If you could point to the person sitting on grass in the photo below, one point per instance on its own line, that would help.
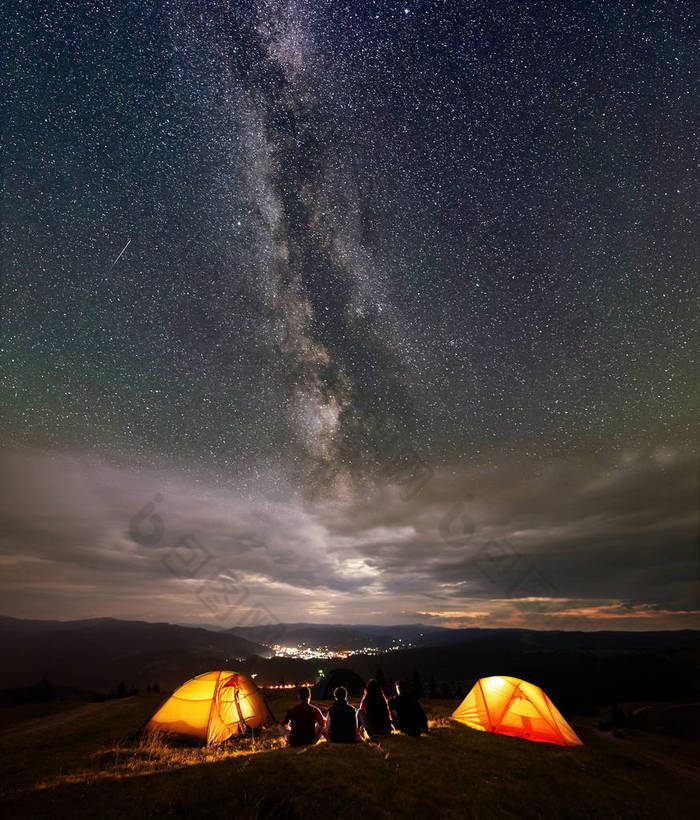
(341, 723)
(303, 723)
(374, 716)
(409, 717)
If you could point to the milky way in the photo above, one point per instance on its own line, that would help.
(321, 255)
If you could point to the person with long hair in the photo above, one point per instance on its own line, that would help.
(373, 715)
(409, 717)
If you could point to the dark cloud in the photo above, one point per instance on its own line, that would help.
(616, 537)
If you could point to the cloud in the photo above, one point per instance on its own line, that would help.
(611, 529)
(607, 542)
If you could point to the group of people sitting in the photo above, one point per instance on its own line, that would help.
(304, 724)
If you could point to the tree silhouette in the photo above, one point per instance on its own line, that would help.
(432, 687)
(417, 683)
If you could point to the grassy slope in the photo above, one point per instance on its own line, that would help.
(84, 767)
(35, 711)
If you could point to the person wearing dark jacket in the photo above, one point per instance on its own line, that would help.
(409, 717)
(374, 716)
(341, 721)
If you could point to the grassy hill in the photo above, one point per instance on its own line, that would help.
(98, 653)
(81, 764)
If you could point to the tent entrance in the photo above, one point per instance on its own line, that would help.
(228, 704)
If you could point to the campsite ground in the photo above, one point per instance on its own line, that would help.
(80, 763)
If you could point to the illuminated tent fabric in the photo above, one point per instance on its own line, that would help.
(211, 708)
(510, 706)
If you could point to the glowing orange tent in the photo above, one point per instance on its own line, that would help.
(211, 708)
(510, 706)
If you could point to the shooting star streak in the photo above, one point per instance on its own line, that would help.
(128, 242)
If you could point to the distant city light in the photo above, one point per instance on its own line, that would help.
(326, 653)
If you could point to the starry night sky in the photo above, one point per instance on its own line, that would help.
(393, 306)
